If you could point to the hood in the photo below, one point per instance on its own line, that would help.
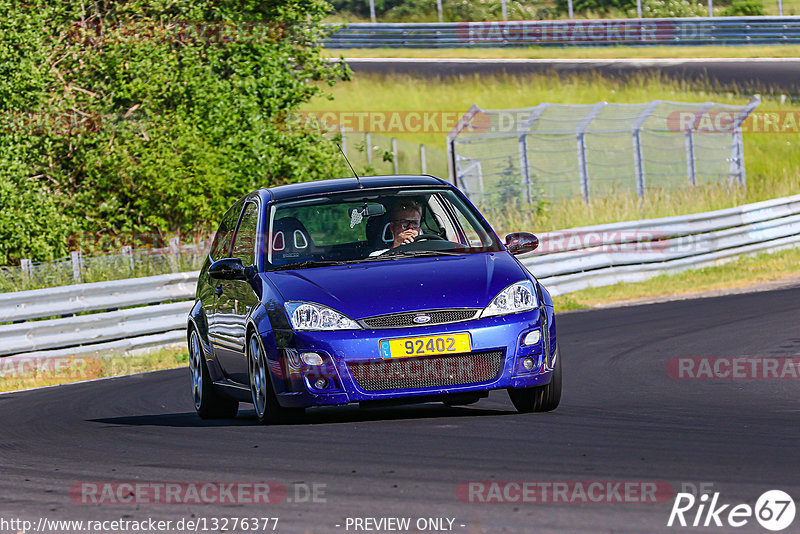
(408, 284)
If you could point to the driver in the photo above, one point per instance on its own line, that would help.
(404, 221)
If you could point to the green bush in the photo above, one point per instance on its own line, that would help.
(744, 8)
(672, 8)
(124, 118)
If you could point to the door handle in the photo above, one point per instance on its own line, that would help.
(218, 290)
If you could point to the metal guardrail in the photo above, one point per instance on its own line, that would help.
(566, 261)
(596, 32)
(133, 313)
(633, 251)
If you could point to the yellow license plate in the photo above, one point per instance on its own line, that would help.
(407, 347)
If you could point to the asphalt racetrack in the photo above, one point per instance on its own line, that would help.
(622, 418)
(745, 75)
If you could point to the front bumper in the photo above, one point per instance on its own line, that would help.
(354, 371)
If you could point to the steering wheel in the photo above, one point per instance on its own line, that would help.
(428, 237)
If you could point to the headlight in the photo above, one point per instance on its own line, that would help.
(310, 316)
(515, 298)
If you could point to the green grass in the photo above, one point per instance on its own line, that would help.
(742, 272)
(77, 369)
(597, 52)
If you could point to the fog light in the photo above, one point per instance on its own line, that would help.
(532, 338)
(527, 363)
(321, 383)
(311, 358)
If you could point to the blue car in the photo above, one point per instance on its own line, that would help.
(378, 290)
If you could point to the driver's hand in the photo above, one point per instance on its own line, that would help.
(407, 240)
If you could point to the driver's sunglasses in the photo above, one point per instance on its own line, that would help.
(405, 224)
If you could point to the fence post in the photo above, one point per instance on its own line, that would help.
(344, 143)
(570, 10)
(394, 155)
(77, 265)
(710, 8)
(423, 163)
(736, 169)
(638, 9)
(27, 268)
(581, 137)
(463, 122)
(691, 170)
(504, 9)
(174, 253)
(439, 10)
(638, 160)
(688, 136)
(522, 147)
(368, 143)
(127, 250)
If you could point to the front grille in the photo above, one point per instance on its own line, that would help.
(406, 319)
(430, 372)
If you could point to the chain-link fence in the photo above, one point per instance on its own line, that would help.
(555, 151)
(80, 268)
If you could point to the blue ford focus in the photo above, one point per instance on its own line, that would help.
(387, 289)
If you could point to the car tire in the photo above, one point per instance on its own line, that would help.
(266, 405)
(208, 403)
(541, 398)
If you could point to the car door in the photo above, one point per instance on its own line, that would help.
(221, 248)
(237, 299)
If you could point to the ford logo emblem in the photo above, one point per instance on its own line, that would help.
(422, 319)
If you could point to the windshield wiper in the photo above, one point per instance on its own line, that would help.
(420, 253)
(307, 264)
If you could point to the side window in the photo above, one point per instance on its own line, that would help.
(222, 241)
(245, 243)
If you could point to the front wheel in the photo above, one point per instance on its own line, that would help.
(541, 398)
(208, 403)
(268, 410)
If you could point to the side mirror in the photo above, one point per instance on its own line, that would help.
(227, 269)
(521, 242)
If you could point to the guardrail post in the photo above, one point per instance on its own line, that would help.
(710, 8)
(439, 10)
(638, 160)
(77, 265)
(422, 162)
(580, 133)
(368, 143)
(394, 155)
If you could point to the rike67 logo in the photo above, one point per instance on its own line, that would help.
(774, 510)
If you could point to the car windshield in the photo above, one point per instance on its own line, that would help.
(376, 225)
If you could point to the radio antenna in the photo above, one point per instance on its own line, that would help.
(351, 167)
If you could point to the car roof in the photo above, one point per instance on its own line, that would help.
(336, 185)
